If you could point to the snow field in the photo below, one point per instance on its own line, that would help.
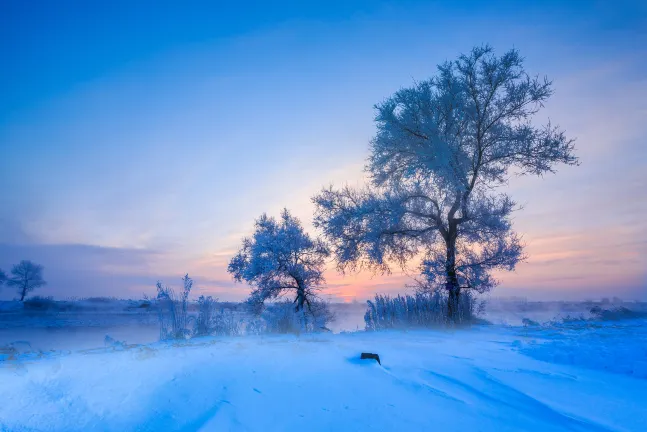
(475, 379)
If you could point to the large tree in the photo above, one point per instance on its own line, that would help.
(443, 149)
(280, 257)
(26, 277)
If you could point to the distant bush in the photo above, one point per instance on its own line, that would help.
(145, 303)
(419, 310)
(615, 314)
(571, 319)
(100, 299)
(40, 303)
(527, 322)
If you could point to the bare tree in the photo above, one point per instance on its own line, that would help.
(443, 148)
(26, 277)
(3, 277)
(280, 257)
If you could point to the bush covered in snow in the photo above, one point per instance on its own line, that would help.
(419, 310)
(206, 313)
(173, 310)
(211, 321)
(281, 318)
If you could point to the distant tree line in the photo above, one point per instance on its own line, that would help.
(25, 277)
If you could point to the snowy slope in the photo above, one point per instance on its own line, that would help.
(476, 380)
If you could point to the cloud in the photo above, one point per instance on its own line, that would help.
(11, 231)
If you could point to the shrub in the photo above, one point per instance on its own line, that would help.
(206, 312)
(100, 299)
(419, 310)
(226, 324)
(281, 317)
(210, 321)
(527, 322)
(40, 303)
(615, 314)
(173, 310)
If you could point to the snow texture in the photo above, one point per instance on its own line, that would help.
(479, 379)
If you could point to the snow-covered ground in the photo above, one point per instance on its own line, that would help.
(488, 378)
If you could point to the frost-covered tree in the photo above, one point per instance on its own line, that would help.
(280, 257)
(26, 277)
(442, 150)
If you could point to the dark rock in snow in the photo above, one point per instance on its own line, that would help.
(365, 356)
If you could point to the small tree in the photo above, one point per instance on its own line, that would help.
(280, 257)
(443, 148)
(26, 277)
(3, 277)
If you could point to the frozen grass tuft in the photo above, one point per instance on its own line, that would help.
(419, 310)
(173, 310)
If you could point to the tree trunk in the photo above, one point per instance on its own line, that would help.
(301, 299)
(451, 279)
(23, 293)
(301, 296)
(453, 305)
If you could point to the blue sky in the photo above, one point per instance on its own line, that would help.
(139, 140)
